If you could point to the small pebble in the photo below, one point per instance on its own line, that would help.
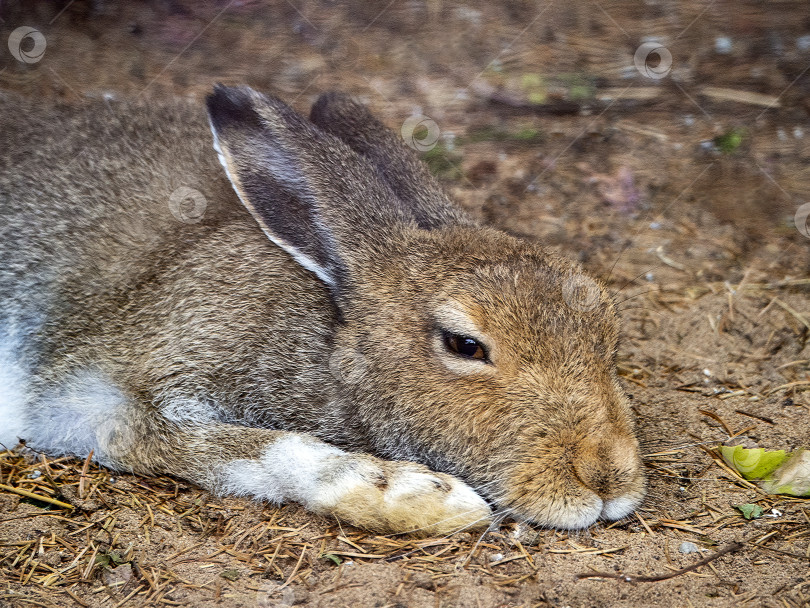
(687, 547)
(707, 146)
(722, 45)
(35, 475)
(496, 557)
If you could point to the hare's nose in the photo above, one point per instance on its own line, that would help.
(607, 470)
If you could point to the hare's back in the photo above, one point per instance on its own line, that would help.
(100, 185)
(64, 169)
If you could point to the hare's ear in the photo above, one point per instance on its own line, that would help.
(311, 194)
(397, 164)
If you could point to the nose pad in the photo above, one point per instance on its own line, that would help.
(608, 470)
(595, 477)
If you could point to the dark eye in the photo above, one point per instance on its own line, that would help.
(464, 346)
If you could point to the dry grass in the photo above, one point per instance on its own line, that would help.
(87, 530)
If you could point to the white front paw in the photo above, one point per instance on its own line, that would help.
(397, 497)
(380, 495)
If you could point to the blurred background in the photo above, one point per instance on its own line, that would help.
(663, 143)
(566, 121)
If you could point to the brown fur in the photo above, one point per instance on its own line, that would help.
(217, 312)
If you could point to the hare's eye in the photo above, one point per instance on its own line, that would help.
(464, 346)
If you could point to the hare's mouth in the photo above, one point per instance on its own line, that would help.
(584, 511)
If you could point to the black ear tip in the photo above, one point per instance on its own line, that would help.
(223, 96)
(332, 97)
(228, 105)
(333, 105)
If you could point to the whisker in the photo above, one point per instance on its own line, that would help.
(691, 479)
(470, 525)
(497, 520)
(679, 448)
(634, 279)
(641, 293)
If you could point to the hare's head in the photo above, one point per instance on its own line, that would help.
(460, 347)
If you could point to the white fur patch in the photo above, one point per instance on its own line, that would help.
(328, 480)
(587, 514)
(83, 413)
(411, 483)
(13, 384)
(576, 517)
(463, 498)
(289, 469)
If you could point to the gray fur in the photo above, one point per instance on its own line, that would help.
(306, 300)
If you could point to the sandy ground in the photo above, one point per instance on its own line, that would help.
(680, 191)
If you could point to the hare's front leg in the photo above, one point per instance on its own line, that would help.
(278, 466)
(380, 495)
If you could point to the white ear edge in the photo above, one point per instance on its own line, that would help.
(302, 259)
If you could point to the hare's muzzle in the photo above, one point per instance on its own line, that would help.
(572, 484)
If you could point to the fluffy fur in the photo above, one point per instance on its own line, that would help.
(288, 345)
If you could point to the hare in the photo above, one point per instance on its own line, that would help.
(316, 323)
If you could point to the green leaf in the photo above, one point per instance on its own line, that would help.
(750, 511)
(793, 477)
(535, 88)
(729, 141)
(333, 557)
(752, 464)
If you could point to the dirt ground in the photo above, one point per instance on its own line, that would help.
(680, 188)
